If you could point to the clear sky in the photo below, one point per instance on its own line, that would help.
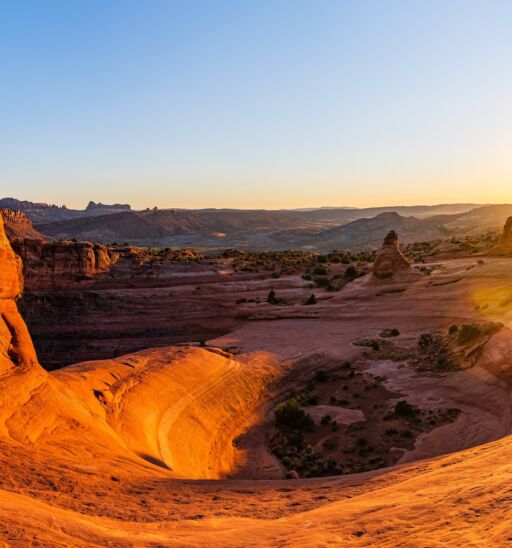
(256, 103)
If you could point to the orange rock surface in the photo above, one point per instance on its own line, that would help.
(16, 346)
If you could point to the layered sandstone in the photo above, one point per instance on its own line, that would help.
(16, 348)
(390, 263)
(18, 225)
(61, 264)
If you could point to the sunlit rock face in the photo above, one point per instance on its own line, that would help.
(390, 262)
(16, 348)
(504, 246)
(57, 265)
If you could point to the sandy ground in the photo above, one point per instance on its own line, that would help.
(136, 451)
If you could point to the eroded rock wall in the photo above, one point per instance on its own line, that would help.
(50, 265)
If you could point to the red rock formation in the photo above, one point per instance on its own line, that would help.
(59, 264)
(390, 263)
(18, 225)
(504, 246)
(16, 348)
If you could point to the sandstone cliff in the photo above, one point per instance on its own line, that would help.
(59, 264)
(16, 348)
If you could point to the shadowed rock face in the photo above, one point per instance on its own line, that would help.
(16, 346)
(390, 261)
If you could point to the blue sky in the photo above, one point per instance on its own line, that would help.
(272, 104)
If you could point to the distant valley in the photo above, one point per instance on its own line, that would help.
(319, 230)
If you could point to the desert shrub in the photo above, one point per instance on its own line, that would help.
(371, 343)
(405, 409)
(290, 415)
(321, 376)
(468, 333)
(425, 340)
(320, 271)
(321, 282)
(453, 329)
(311, 300)
(351, 273)
(389, 333)
(271, 297)
(312, 399)
(326, 419)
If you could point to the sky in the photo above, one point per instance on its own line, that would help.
(256, 103)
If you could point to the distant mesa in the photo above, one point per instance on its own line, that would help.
(390, 264)
(93, 206)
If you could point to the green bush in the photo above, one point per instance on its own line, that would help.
(320, 271)
(290, 415)
(311, 300)
(425, 340)
(468, 333)
(453, 329)
(405, 409)
(385, 333)
(271, 297)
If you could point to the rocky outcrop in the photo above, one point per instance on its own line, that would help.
(390, 263)
(16, 348)
(56, 265)
(504, 246)
(18, 225)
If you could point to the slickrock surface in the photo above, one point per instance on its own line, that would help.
(390, 263)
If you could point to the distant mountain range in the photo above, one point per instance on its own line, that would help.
(315, 229)
(39, 212)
